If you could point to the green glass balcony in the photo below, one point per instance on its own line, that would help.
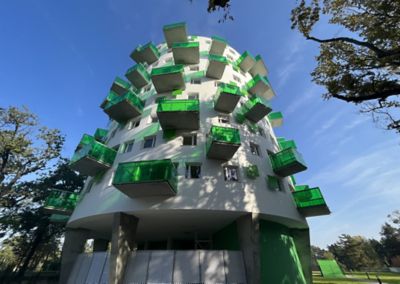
(246, 61)
(138, 76)
(179, 114)
(216, 66)
(147, 53)
(146, 178)
(287, 162)
(260, 86)
(218, 46)
(124, 107)
(222, 142)
(275, 118)
(301, 187)
(119, 86)
(186, 52)
(259, 68)
(310, 202)
(100, 134)
(58, 218)
(60, 202)
(175, 33)
(168, 79)
(227, 98)
(110, 97)
(284, 144)
(92, 158)
(256, 109)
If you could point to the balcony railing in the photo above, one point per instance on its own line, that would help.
(310, 202)
(120, 87)
(245, 61)
(186, 52)
(222, 142)
(147, 53)
(218, 45)
(287, 162)
(256, 109)
(175, 33)
(259, 67)
(275, 118)
(110, 97)
(100, 134)
(92, 157)
(227, 97)
(284, 144)
(138, 76)
(146, 178)
(61, 202)
(216, 66)
(260, 86)
(179, 114)
(123, 108)
(168, 79)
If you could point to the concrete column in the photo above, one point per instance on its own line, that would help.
(248, 228)
(301, 239)
(122, 245)
(74, 244)
(100, 245)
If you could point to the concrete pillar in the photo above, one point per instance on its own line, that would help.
(74, 244)
(122, 245)
(100, 245)
(248, 228)
(301, 239)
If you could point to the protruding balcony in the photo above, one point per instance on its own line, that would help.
(275, 118)
(120, 87)
(256, 109)
(60, 202)
(260, 86)
(222, 142)
(246, 61)
(228, 96)
(218, 46)
(175, 33)
(138, 76)
(92, 157)
(100, 134)
(287, 162)
(259, 68)
(168, 79)
(147, 53)
(146, 178)
(216, 66)
(110, 97)
(58, 218)
(186, 52)
(310, 202)
(179, 114)
(124, 107)
(284, 144)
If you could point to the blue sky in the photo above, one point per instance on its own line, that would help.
(60, 57)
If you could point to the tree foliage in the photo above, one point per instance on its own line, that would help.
(217, 5)
(390, 240)
(362, 67)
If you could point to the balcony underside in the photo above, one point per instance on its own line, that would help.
(144, 189)
(291, 168)
(257, 112)
(217, 47)
(118, 89)
(226, 102)
(186, 55)
(262, 90)
(180, 120)
(122, 111)
(137, 79)
(247, 63)
(88, 166)
(221, 150)
(215, 69)
(312, 211)
(146, 55)
(175, 34)
(258, 68)
(168, 82)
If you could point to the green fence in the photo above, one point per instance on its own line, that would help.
(330, 268)
(96, 151)
(309, 197)
(61, 200)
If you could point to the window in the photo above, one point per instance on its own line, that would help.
(133, 124)
(113, 133)
(237, 79)
(154, 119)
(128, 146)
(159, 99)
(190, 140)
(241, 72)
(89, 186)
(231, 173)
(232, 51)
(149, 142)
(195, 81)
(194, 68)
(193, 96)
(223, 119)
(229, 57)
(216, 83)
(193, 171)
(116, 147)
(208, 41)
(254, 149)
(261, 132)
(147, 88)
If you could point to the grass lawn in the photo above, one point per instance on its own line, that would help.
(386, 277)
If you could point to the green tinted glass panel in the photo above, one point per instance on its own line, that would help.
(218, 39)
(225, 134)
(256, 80)
(243, 57)
(275, 115)
(100, 134)
(149, 45)
(272, 182)
(309, 197)
(178, 105)
(213, 57)
(286, 157)
(141, 69)
(96, 151)
(301, 187)
(167, 70)
(185, 44)
(130, 97)
(229, 89)
(284, 144)
(252, 171)
(122, 83)
(330, 268)
(61, 200)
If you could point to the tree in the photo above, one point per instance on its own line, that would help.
(390, 233)
(26, 148)
(362, 67)
(216, 5)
